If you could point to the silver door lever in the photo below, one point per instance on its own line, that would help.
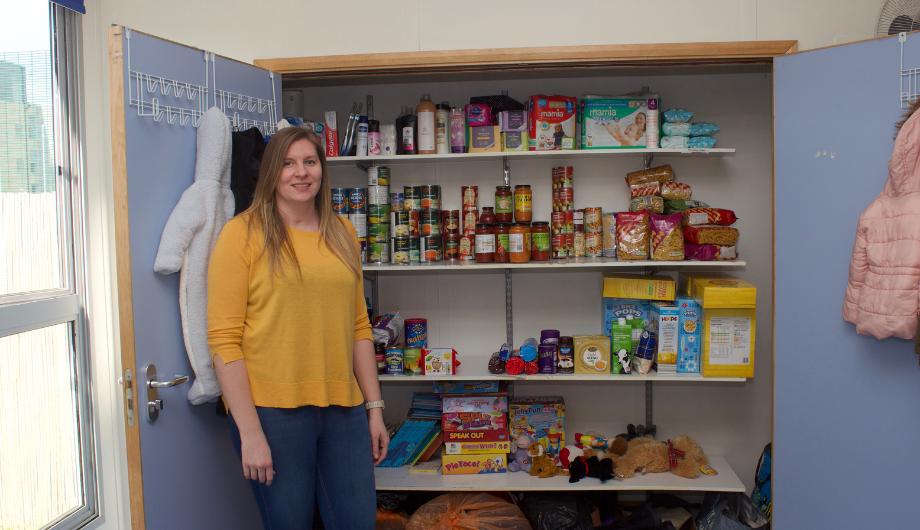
(154, 403)
(166, 384)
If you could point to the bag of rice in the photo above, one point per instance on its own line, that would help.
(632, 235)
(667, 238)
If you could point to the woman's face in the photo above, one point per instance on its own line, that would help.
(301, 174)
(640, 119)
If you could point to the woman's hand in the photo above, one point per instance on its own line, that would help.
(380, 439)
(257, 459)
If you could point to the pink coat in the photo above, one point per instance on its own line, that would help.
(883, 293)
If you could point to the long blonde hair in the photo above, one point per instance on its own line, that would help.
(264, 214)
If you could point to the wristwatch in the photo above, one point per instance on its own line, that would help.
(379, 404)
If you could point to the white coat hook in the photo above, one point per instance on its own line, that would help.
(171, 115)
(239, 103)
(150, 82)
(253, 104)
(156, 112)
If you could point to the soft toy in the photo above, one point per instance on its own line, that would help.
(589, 465)
(569, 453)
(541, 464)
(521, 457)
(618, 447)
(686, 458)
(643, 455)
(595, 441)
(637, 431)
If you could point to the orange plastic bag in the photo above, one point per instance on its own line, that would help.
(387, 520)
(468, 511)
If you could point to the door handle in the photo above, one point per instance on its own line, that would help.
(166, 384)
(154, 403)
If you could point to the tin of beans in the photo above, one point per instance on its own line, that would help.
(416, 333)
(593, 245)
(466, 247)
(379, 232)
(378, 252)
(430, 221)
(340, 200)
(470, 217)
(394, 359)
(357, 200)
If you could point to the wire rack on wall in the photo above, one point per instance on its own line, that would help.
(233, 105)
(909, 79)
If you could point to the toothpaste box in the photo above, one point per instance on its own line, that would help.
(553, 122)
(689, 335)
(664, 320)
(619, 122)
(474, 464)
(477, 448)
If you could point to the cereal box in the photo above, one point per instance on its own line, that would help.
(490, 435)
(616, 308)
(474, 464)
(541, 418)
(664, 320)
(642, 287)
(477, 448)
(592, 354)
(553, 121)
(689, 331)
(619, 122)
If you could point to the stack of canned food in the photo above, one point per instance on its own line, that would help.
(378, 214)
(563, 215)
(351, 203)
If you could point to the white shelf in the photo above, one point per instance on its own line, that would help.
(401, 479)
(557, 264)
(568, 153)
(470, 375)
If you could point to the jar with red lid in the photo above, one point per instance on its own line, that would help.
(502, 242)
(487, 216)
(540, 242)
(519, 243)
(485, 243)
(504, 204)
(523, 203)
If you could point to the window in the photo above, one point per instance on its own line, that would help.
(46, 437)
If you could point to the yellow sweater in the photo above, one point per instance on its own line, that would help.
(296, 336)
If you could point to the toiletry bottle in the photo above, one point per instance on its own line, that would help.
(425, 114)
(442, 128)
(361, 143)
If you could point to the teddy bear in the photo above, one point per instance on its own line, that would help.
(541, 463)
(687, 459)
(643, 455)
(520, 457)
(589, 465)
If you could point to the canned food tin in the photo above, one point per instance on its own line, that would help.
(414, 223)
(452, 246)
(340, 200)
(467, 247)
(397, 200)
(593, 245)
(378, 251)
(359, 221)
(470, 217)
(357, 200)
(362, 242)
(378, 232)
(378, 195)
(372, 179)
(578, 244)
(451, 220)
(414, 253)
(557, 221)
(578, 220)
(558, 244)
(430, 222)
(593, 220)
(416, 333)
(413, 198)
(610, 235)
(470, 196)
(400, 250)
(411, 358)
(399, 221)
(378, 213)
(431, 196)
(394, 359)
(380, 351)
(569, 244)
(430, 249)
(378, 176)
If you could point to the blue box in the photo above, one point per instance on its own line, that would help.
(466, 387)
(615, 308)
(690, 322)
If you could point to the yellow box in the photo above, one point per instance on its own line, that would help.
(484, 139)
(729, 325)
(474, 464)
(477, 448)
(592, 354)
(640, 287)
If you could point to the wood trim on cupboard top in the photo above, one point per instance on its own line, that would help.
(606, 55)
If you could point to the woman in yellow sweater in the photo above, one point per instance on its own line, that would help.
(291, 345)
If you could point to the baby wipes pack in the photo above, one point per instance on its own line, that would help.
(616, 122)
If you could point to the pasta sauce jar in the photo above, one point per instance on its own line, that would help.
(504, 204)
(540, 242)
(485, 243)
(502, 242)
(523, 203)
(519, 243)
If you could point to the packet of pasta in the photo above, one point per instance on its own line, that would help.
(657, 174)
(709, 216)
(676, 191)
(647, 204)
(723, 236)
(632, 236)
(667, 242)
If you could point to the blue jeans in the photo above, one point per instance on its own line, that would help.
(321, 455)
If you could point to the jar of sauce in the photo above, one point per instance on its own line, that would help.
(504, 204)
(519, 243)
(485, 243)
(540, 242)
(523, 203)
(502, 242)
(487, 216)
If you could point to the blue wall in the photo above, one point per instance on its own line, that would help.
(847, 407)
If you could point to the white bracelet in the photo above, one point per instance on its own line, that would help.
(379, 404)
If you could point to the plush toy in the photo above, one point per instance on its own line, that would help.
(521, 457)
(594, 441)
(637, 431)
(643, 455)
(570, 453)
(618, 447)
(686, 458)
(541, 464)
(588, 465)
